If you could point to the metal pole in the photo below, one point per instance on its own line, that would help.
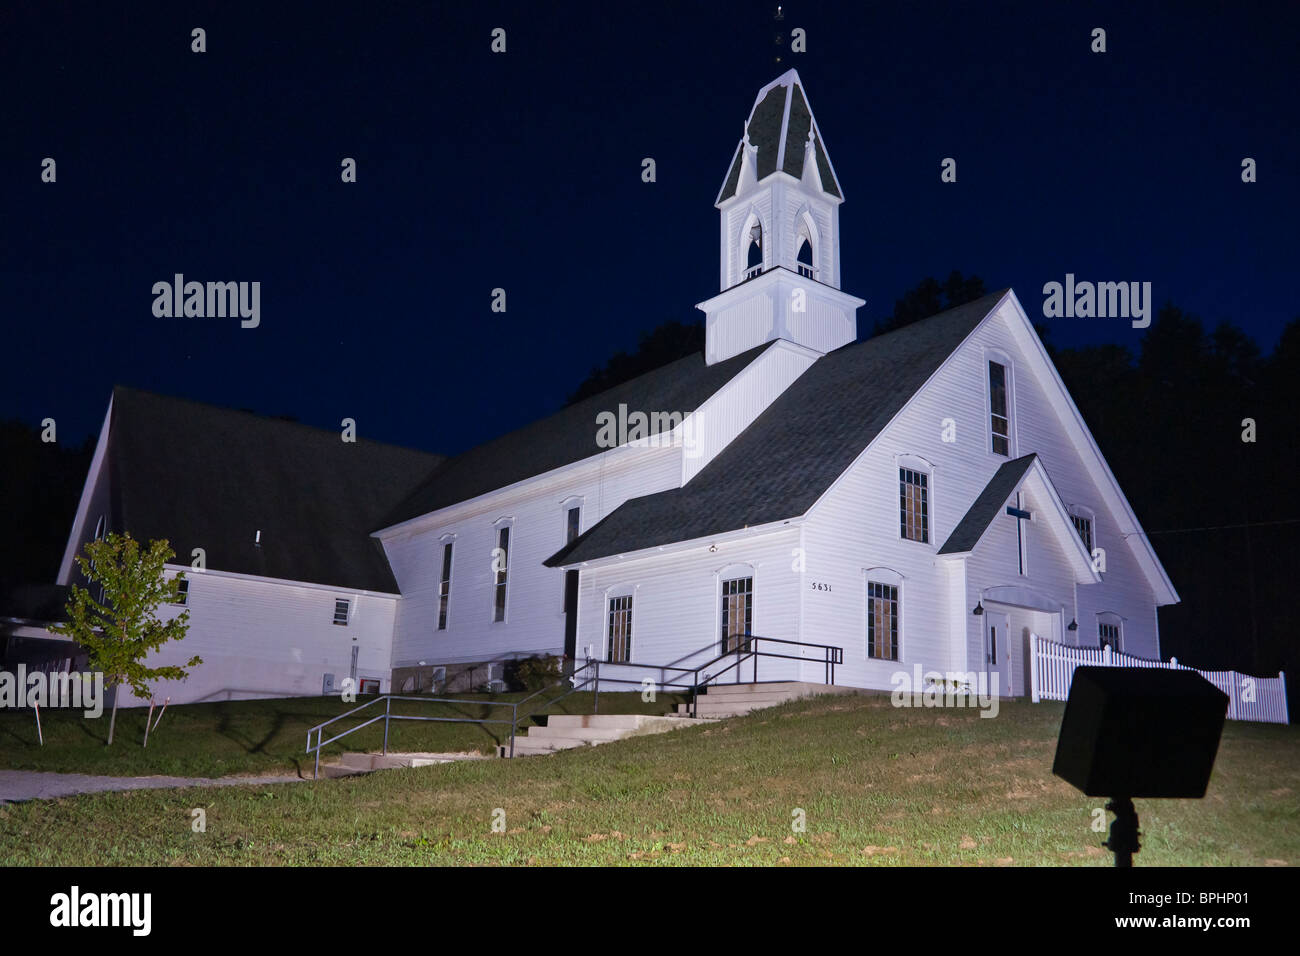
(514, 722)
(1123, 840)
(388, 709)
(315, 774)
(595, 704)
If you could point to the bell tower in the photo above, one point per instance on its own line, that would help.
(780, 222)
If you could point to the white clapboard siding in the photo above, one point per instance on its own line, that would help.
(1054, 664)
(676, 604)
(854, 527)
(263, 638)
(535, 603)
(535, 597)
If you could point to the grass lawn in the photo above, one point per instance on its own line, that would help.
(265, 736)
(878, 785)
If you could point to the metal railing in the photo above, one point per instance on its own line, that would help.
(388, 716)
(747, 648)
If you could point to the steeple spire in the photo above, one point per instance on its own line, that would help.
(780, 223)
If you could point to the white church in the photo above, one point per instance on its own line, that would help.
(930, 496)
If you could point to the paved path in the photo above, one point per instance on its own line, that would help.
(16, 785)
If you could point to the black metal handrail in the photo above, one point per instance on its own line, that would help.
(746, 649)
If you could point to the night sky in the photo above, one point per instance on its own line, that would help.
(523, 171)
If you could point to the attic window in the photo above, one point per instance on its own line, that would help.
(182, 591)
(999, 410)
(341, 608)
(1082, 519)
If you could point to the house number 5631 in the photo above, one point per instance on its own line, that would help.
(819, 586)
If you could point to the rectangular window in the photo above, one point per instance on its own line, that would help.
(444, 587)
(1083, 525)
(1000, 426)
(502, 563)
(737, 612)
(182, 591)
(341, 606)
(913, 505)
(1109, 635)
(574, 519)
(620, 629)
(882, 621)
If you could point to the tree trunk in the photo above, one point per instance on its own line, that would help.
(112, 720)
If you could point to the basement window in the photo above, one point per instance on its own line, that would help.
(341, 608)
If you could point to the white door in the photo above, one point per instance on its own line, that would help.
(997, 652)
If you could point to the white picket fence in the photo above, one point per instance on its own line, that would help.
(1051, 668)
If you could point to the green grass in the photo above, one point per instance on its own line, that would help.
(265, 736)
(878, 785)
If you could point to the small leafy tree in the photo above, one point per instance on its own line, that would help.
(121, 628)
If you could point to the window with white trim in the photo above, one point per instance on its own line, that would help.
(737, 612)
(501, 564)
(341, 608)
(1110, 630)
(913, 505)
(882, 620)
(182, 591)
(1083, 520)
(444, 586)
(572, 524)
(999, 408)
(619, 649)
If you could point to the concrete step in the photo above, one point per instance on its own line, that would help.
(775, 687)
(736, 700)
(364, 763)
(566, 731)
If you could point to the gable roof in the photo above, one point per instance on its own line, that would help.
(778, 128)
(987, 506)
(208, 477)
(1027, 472)
(569, 435)
(788, 457)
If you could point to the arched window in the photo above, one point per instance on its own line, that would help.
(804, 260)
(754, 251)
(1110, 630)
(806, 256)
(884, 626)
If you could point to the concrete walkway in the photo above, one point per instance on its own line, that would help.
(18, 785)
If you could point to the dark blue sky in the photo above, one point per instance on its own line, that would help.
(522, 171)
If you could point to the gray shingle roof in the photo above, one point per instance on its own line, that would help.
(785, 460)
(770, 124)
(987, 506)
(208, 477)
(567, 436)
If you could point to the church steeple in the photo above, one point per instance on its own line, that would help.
(780, 220)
